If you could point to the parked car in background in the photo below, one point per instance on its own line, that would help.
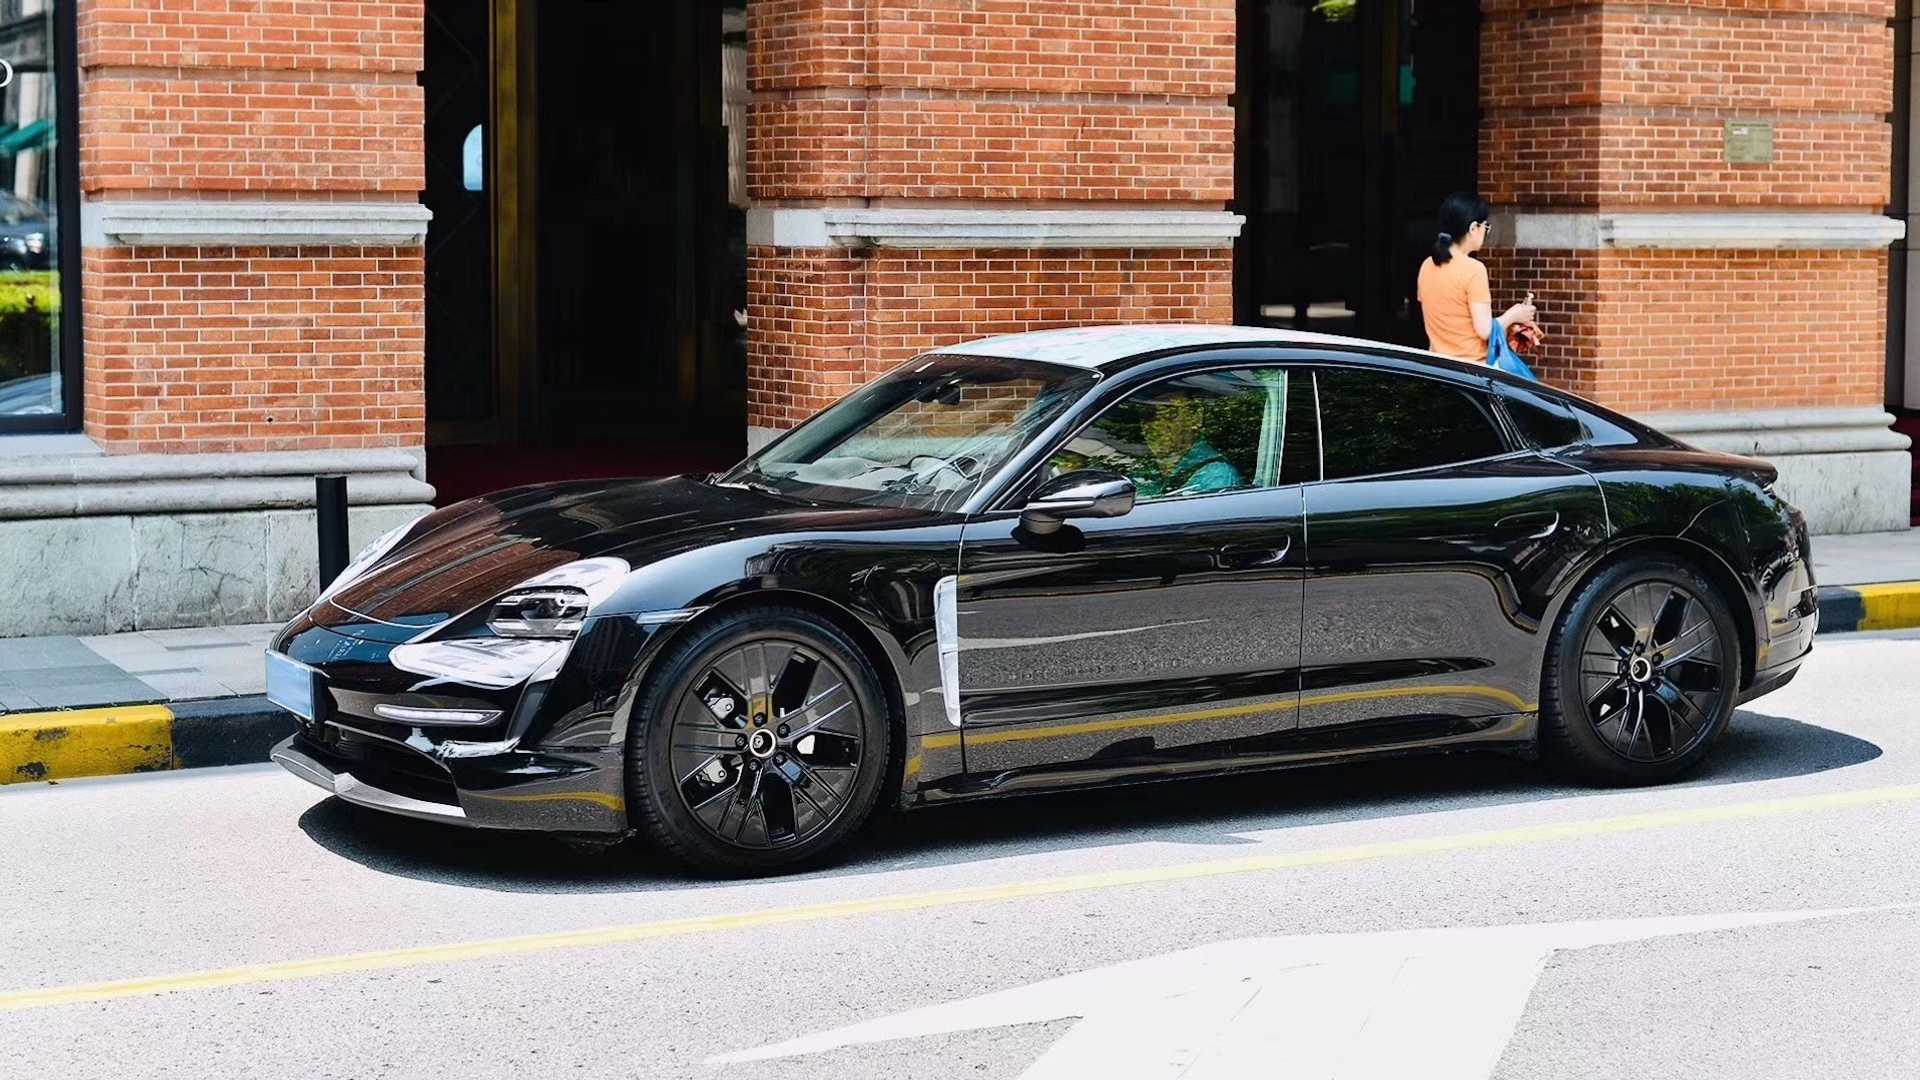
(26, 234)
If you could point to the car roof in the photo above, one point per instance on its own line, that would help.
(1099, 347)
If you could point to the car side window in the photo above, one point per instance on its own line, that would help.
(1542, 421)
(1200, 434)
(1374, 422)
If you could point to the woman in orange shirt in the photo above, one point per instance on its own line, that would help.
(1454, 296)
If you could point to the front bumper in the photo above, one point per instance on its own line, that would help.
(503, 788)
(552, 761)
(318, 769)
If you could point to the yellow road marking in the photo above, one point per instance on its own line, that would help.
(290, 970)
(85, 742)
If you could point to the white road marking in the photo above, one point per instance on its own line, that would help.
(1440, 1004)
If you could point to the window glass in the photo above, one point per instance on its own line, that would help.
(1601, 431)
(1379, 422)
(1195, 435)
(30, 298)
(1542, 421)
(924, 435)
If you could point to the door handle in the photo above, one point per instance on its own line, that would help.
(1250, 556)
(1538, 525)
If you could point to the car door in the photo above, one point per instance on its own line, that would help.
(1438, 542)
(1169, 634)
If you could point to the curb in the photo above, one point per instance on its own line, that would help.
(241, 731)
(119, 739)
(1892, 605)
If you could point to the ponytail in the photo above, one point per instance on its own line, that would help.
(1458, 213)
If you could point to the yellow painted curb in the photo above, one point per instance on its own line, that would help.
(1893, 606)
(85, 742)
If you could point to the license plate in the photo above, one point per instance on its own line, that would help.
(292, 685)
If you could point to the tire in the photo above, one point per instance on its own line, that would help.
(760, 743)
(1635, 691)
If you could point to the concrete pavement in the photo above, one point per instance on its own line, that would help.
(347, 944)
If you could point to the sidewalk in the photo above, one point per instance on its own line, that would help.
(144, 667)
(1867, 558)
(139, 702)
(165, 699)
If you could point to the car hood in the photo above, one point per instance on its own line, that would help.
(469, 553)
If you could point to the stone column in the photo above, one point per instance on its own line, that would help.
(923, 174)
(1696, 193)
(252, 281)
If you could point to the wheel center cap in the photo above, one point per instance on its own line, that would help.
(761, 743)
(1640, 669)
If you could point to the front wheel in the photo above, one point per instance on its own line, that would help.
(1640, 675)
(760, 743)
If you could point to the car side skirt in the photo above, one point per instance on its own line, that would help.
(1512, 733)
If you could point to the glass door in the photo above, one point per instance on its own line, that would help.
(1354, 119)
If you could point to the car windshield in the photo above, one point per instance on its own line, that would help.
(923, 436)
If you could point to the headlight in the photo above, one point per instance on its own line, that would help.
(364, 561)
(555, 604)
(539, 613)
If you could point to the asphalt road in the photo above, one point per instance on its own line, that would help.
(1443, 917)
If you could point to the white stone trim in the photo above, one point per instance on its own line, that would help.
(889, 227)
(87, 485)
(1772, 432)
(759, 437)
(181, 222)
(1734, 229)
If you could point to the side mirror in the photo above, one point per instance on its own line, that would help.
(1088, 493)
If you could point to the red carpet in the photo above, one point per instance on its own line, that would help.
(461, 472)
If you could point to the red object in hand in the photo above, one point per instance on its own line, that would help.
(1525, 338)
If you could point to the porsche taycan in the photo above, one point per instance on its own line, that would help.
(1053, 560)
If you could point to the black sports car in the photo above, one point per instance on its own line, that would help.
(1051, 560)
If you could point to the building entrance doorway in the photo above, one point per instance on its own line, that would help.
(1354, 119)
(586, 263)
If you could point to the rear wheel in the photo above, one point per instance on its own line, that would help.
(760, 743)
(1641, 675)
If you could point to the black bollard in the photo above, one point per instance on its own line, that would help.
(330, 517)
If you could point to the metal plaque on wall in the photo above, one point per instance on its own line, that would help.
(1749, 142)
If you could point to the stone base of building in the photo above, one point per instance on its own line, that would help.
(1844, 468)
(97, 545)
(104, 575)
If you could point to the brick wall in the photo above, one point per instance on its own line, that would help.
(904, 144)
(193, 350)
(1655, 331)
(216, 348)
(1097, 104)
(826, 322)
(1611, 106)
(1625, 104)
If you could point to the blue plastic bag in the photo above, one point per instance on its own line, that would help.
(1501, 356)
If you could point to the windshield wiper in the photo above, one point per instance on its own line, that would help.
(750, 485)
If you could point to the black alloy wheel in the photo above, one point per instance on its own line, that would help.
(762, 743)
(1641, 676)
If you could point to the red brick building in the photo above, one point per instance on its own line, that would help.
(464, 243)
